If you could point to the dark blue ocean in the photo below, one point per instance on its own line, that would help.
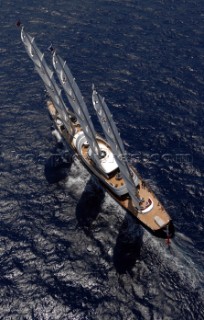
(67, 250)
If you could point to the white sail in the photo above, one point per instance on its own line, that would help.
(46, 75)
(113, 138)
(77, 102)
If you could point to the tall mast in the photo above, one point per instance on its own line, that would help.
(77, 102)
(114, 139)
(46, 75)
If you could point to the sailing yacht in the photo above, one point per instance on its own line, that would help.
(104, 157)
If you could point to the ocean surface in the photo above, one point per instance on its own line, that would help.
(67, 250)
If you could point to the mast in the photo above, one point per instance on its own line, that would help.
(115, 141)
(77, 102)
(47, 76)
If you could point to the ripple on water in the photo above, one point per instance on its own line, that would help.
(67, 250)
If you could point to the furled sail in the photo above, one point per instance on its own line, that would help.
(77, 102)
(46, 74)
(113, 138)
